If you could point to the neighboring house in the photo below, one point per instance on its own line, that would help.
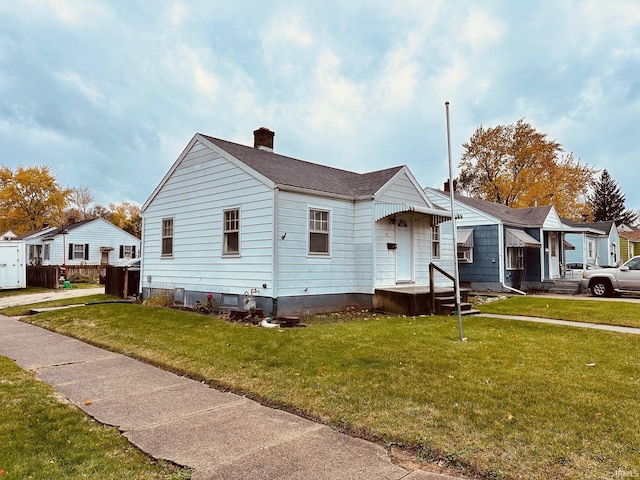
(89, 242)
(501, 248)
(596, 243)
(8, 235)
(237, 221)
(629, 242)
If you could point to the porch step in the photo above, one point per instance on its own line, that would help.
(562, 287)
(450, 309)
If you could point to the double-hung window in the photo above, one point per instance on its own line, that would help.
(78, 251)
(318, 232)
(435, 240)
(515, 258)
(231, 234)
(167, 237)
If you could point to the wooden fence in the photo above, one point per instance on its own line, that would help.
(121, 282)
(46, 277)
(77, 273)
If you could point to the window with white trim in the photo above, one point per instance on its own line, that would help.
(167, 237)
(127, 251)
(78, 251)
(231, 234)
(318, 232)
(465, 254)
(47, 251)
(515, 258)
(435, 240)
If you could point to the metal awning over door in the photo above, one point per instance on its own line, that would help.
(383, 210)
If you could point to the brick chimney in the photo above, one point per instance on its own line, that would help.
(263, 139)
(455, 186)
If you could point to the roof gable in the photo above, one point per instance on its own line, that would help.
(282, 171)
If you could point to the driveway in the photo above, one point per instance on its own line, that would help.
(29, 298)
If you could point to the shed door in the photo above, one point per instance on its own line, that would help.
(404, 252)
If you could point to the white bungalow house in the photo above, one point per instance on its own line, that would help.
(237, 221)
(89, 242)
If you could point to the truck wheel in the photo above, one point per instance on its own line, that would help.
(600, 288)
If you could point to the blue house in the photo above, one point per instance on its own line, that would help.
(596, 243)
(501, 248)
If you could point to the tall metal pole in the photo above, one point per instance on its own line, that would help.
(454, 228)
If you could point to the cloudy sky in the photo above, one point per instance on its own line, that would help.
(109, 92)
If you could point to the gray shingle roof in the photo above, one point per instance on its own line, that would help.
(522, 217)
(291, 172)
(602, 226)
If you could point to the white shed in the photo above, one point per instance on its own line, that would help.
(13, 272)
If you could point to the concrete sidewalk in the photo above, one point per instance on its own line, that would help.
(220, 435)
(566, 323)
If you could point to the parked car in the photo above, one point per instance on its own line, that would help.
(604, 282)
(580, 266)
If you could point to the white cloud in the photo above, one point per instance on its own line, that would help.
(482, 29)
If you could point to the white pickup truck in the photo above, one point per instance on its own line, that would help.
(604, 282)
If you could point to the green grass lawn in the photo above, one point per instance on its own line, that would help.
(626, 314)
(42, 437)
(517, 400)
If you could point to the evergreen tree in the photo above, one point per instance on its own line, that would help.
(607, 202)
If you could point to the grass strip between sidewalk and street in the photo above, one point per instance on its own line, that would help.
(517, 400)
(43, 437)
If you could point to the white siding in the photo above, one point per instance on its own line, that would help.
(363, 248)
(470, 216)
(300, 273)
(195, 195)
(402, 190)
(552, 222)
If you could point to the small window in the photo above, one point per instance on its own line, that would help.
(167, 237)
(465, 254)
(515, 258)
(127, 251)
(318, 232)
(435, 241)
(78, 251)
(47, 251)
(231, 244)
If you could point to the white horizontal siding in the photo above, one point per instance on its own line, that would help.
(470, 216)
(402, 190)
(300, 273)
(201, 187)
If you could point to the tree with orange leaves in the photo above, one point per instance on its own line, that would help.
(518, 166)
(30, 197)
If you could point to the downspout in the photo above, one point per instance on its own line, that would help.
(501, 262)
(274, 268)
(543, 255)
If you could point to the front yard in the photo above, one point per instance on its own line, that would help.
(517, 400)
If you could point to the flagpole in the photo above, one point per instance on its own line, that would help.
(455, 230)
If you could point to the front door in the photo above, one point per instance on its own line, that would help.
(554, 255)
(404, 251)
